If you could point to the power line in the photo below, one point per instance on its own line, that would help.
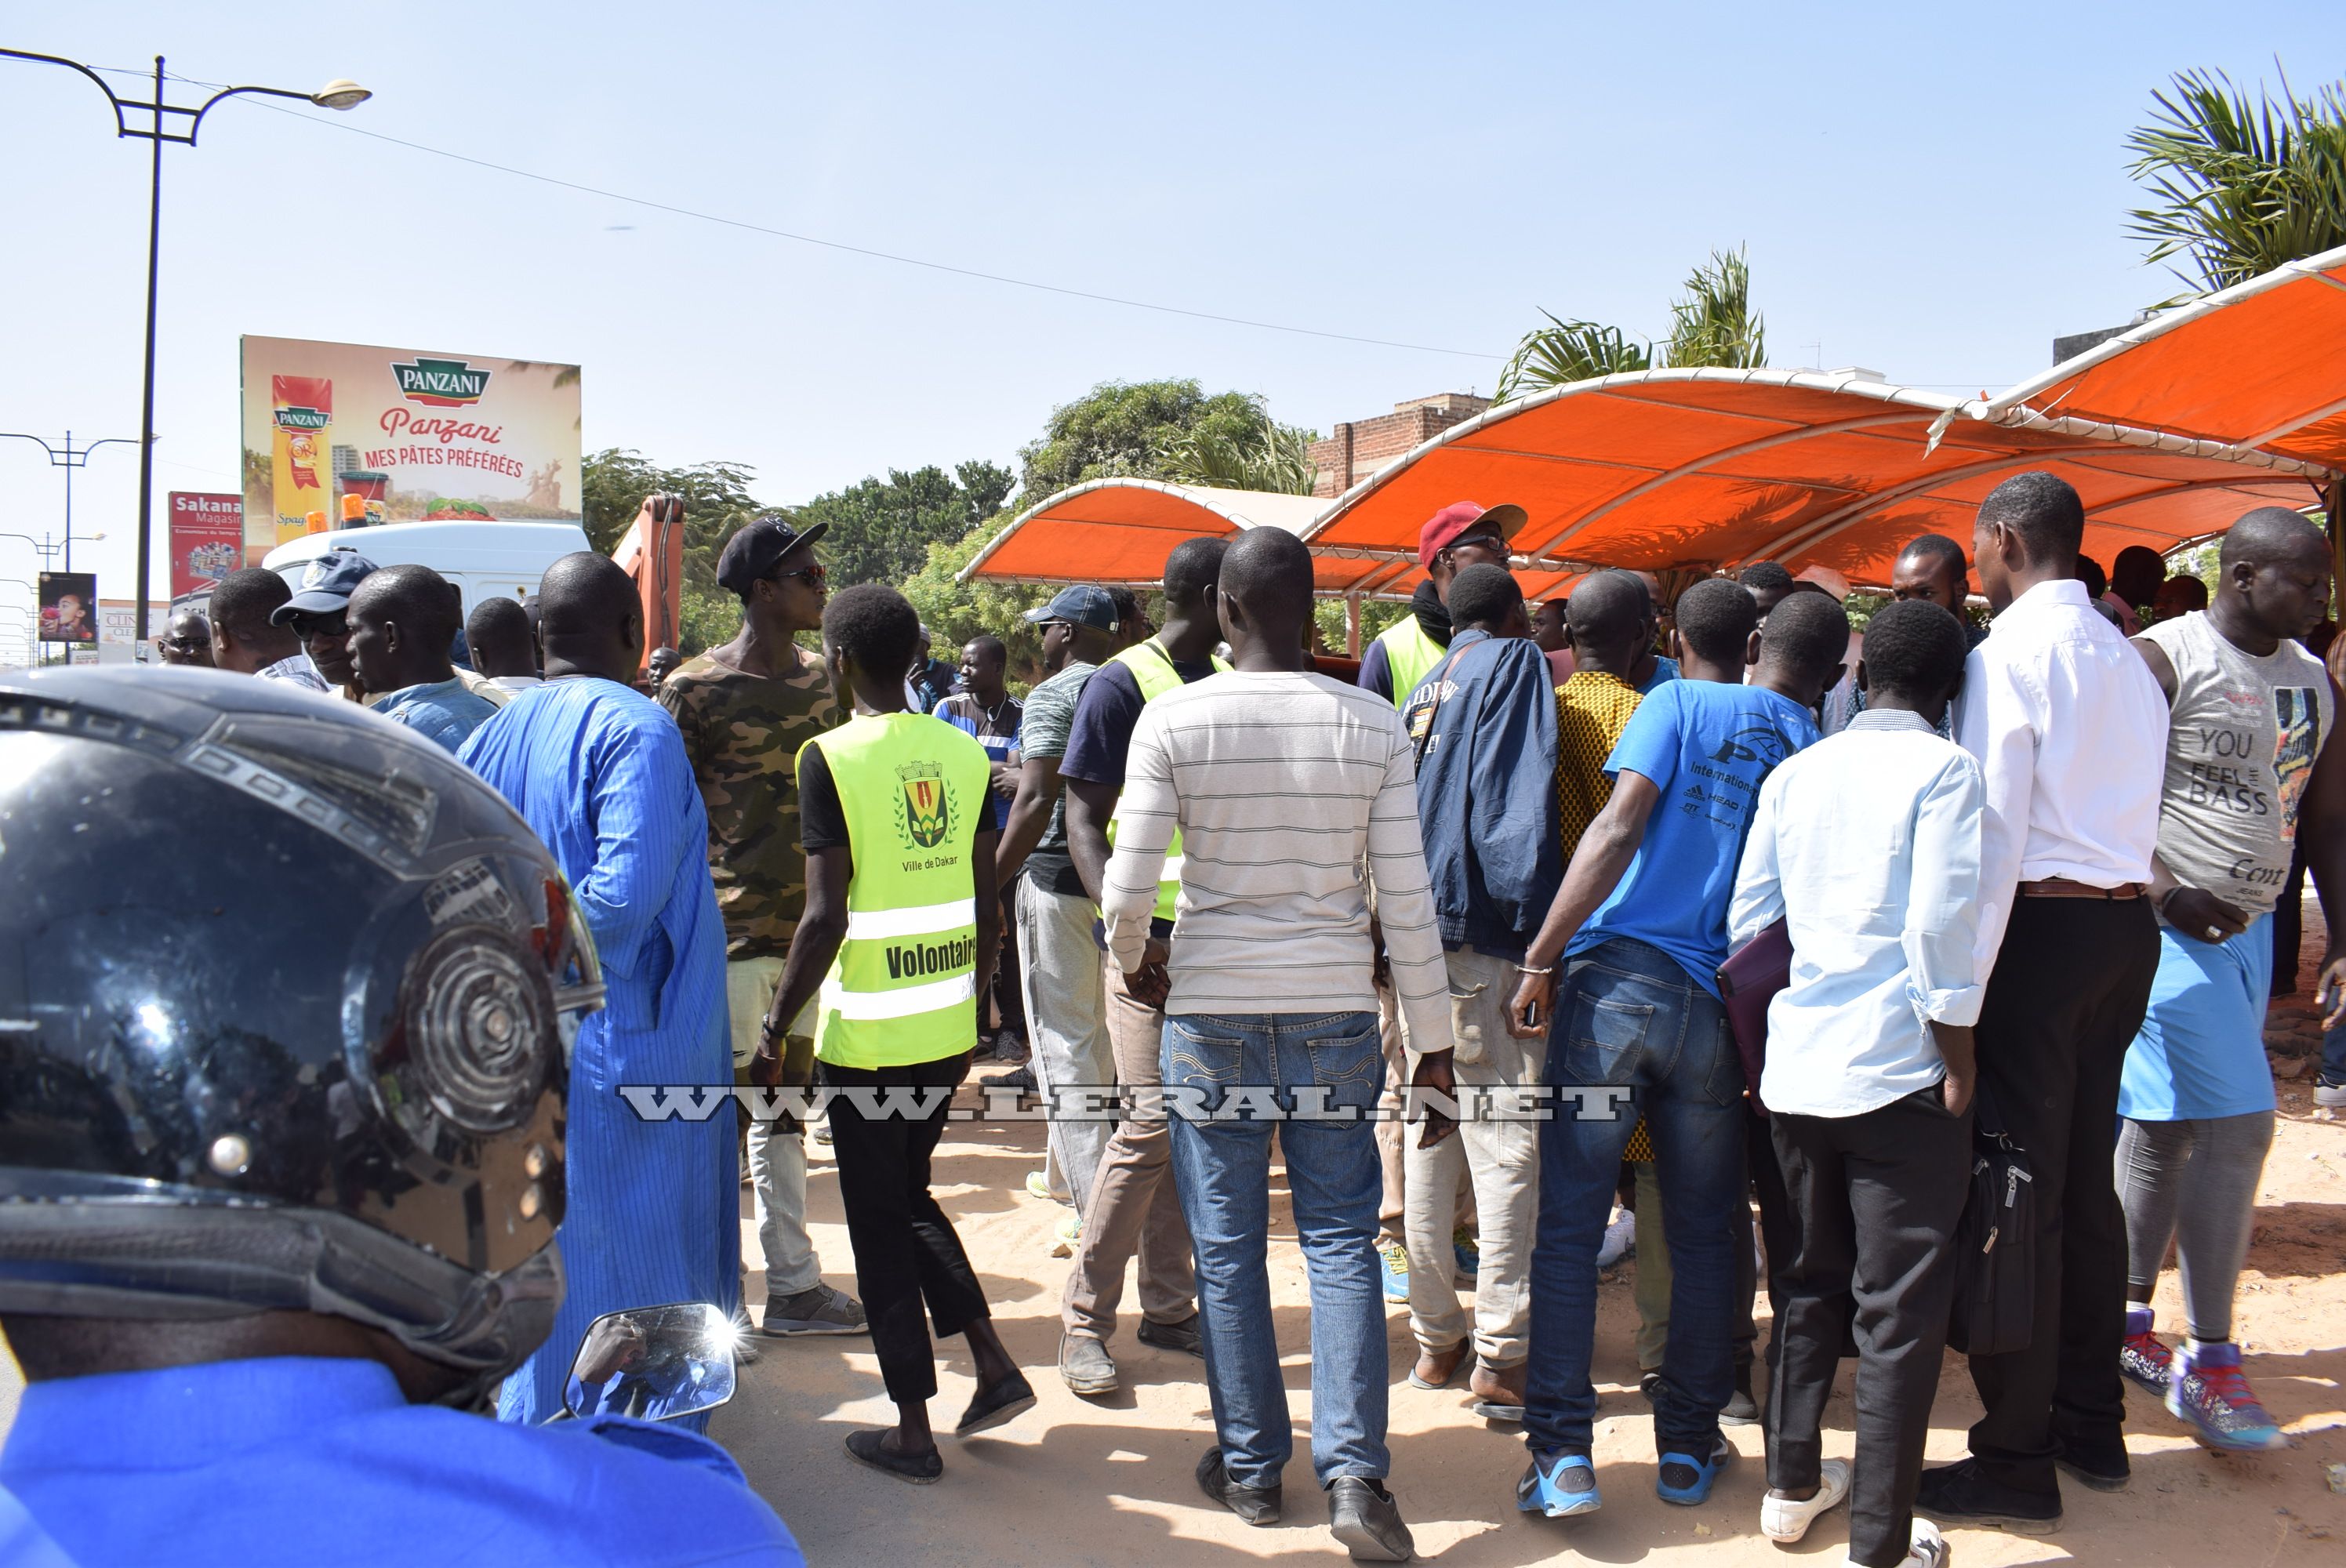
(860, 249)
(878, 255)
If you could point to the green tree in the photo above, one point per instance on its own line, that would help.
(1376, 615)
(1126, 428)
(955, 612)
(1711, 323)
(881, 529)
(2242, 187)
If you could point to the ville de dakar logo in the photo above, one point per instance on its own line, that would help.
(927, 815)
(440, 383)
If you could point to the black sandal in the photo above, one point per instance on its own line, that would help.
(921, 1470)
(1014, 1396)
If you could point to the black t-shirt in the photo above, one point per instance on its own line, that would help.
(822, 824)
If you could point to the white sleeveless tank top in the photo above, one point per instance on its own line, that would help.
(2240, 747)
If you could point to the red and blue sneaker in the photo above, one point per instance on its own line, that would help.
(2210, 1392)
(2144, 1359)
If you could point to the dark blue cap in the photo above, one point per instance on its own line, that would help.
(327, 586)
(1081, 606)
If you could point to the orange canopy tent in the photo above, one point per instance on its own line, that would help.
(1707, 468)
(2257, 365)
(1121, 530)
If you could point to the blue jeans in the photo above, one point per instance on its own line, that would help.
(1629, 1014)
(2334, 1055)
(1221, 1165)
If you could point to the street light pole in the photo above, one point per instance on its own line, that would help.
(342, 93)
(68, 457)
(146, 396)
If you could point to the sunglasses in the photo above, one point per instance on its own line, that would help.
(306, 626)
(812, 572)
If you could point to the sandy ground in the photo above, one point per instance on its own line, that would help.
(1108, 1481)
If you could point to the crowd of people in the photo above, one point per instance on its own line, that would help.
(1459, 927)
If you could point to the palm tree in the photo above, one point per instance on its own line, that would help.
(2242, 187)
(1566, 352)
(1712, 324)
(1268, 456)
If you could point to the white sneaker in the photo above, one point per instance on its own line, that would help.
(1620, 1240)
(1783, 1519)
(1926, 1548)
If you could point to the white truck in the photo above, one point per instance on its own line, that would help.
(484, 560)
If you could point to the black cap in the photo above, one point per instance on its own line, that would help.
(758, 547)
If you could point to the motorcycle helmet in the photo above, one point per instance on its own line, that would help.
(286, 996)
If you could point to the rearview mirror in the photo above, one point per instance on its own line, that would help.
(653, 1363)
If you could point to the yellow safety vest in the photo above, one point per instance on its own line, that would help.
(903, 988)
(1152, 671)
(1409, 655)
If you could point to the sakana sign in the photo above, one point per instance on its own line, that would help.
(343, 434)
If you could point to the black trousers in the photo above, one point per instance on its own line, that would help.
(1779, 1235)
(1877, 1197)
(905, 1248)
(2071, 984)
(1009, 996)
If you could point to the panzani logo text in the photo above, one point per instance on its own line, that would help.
(441, 383)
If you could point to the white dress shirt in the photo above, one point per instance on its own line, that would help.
(2070, 729)
(1867, 846)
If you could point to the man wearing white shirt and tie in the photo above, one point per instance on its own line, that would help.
(2070, 731)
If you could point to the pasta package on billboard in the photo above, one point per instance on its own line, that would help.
(302, 410)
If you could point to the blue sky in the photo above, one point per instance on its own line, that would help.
(1932, 192)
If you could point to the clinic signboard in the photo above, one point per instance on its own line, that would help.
(118, 629)
(207, 540)
(348, 434)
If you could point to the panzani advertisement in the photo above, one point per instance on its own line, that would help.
(340, 435)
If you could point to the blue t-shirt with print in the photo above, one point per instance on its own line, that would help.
(1707, 746)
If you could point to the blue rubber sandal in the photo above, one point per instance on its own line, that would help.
(1704, 1475)
(1558, 1485)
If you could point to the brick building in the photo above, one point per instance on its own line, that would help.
(1359, 448)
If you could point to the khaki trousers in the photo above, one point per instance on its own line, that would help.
(1134, 1207)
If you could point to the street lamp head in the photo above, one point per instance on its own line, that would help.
(341, 93)
(94, 538)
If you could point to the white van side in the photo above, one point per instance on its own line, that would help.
(484, 560)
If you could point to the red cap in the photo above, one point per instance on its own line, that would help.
(1457, 519)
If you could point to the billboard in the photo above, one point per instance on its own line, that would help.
(69, 608)
(337, 431)
(118, 624)
(207, 540)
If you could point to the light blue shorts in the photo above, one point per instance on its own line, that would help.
(2201, 1051)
